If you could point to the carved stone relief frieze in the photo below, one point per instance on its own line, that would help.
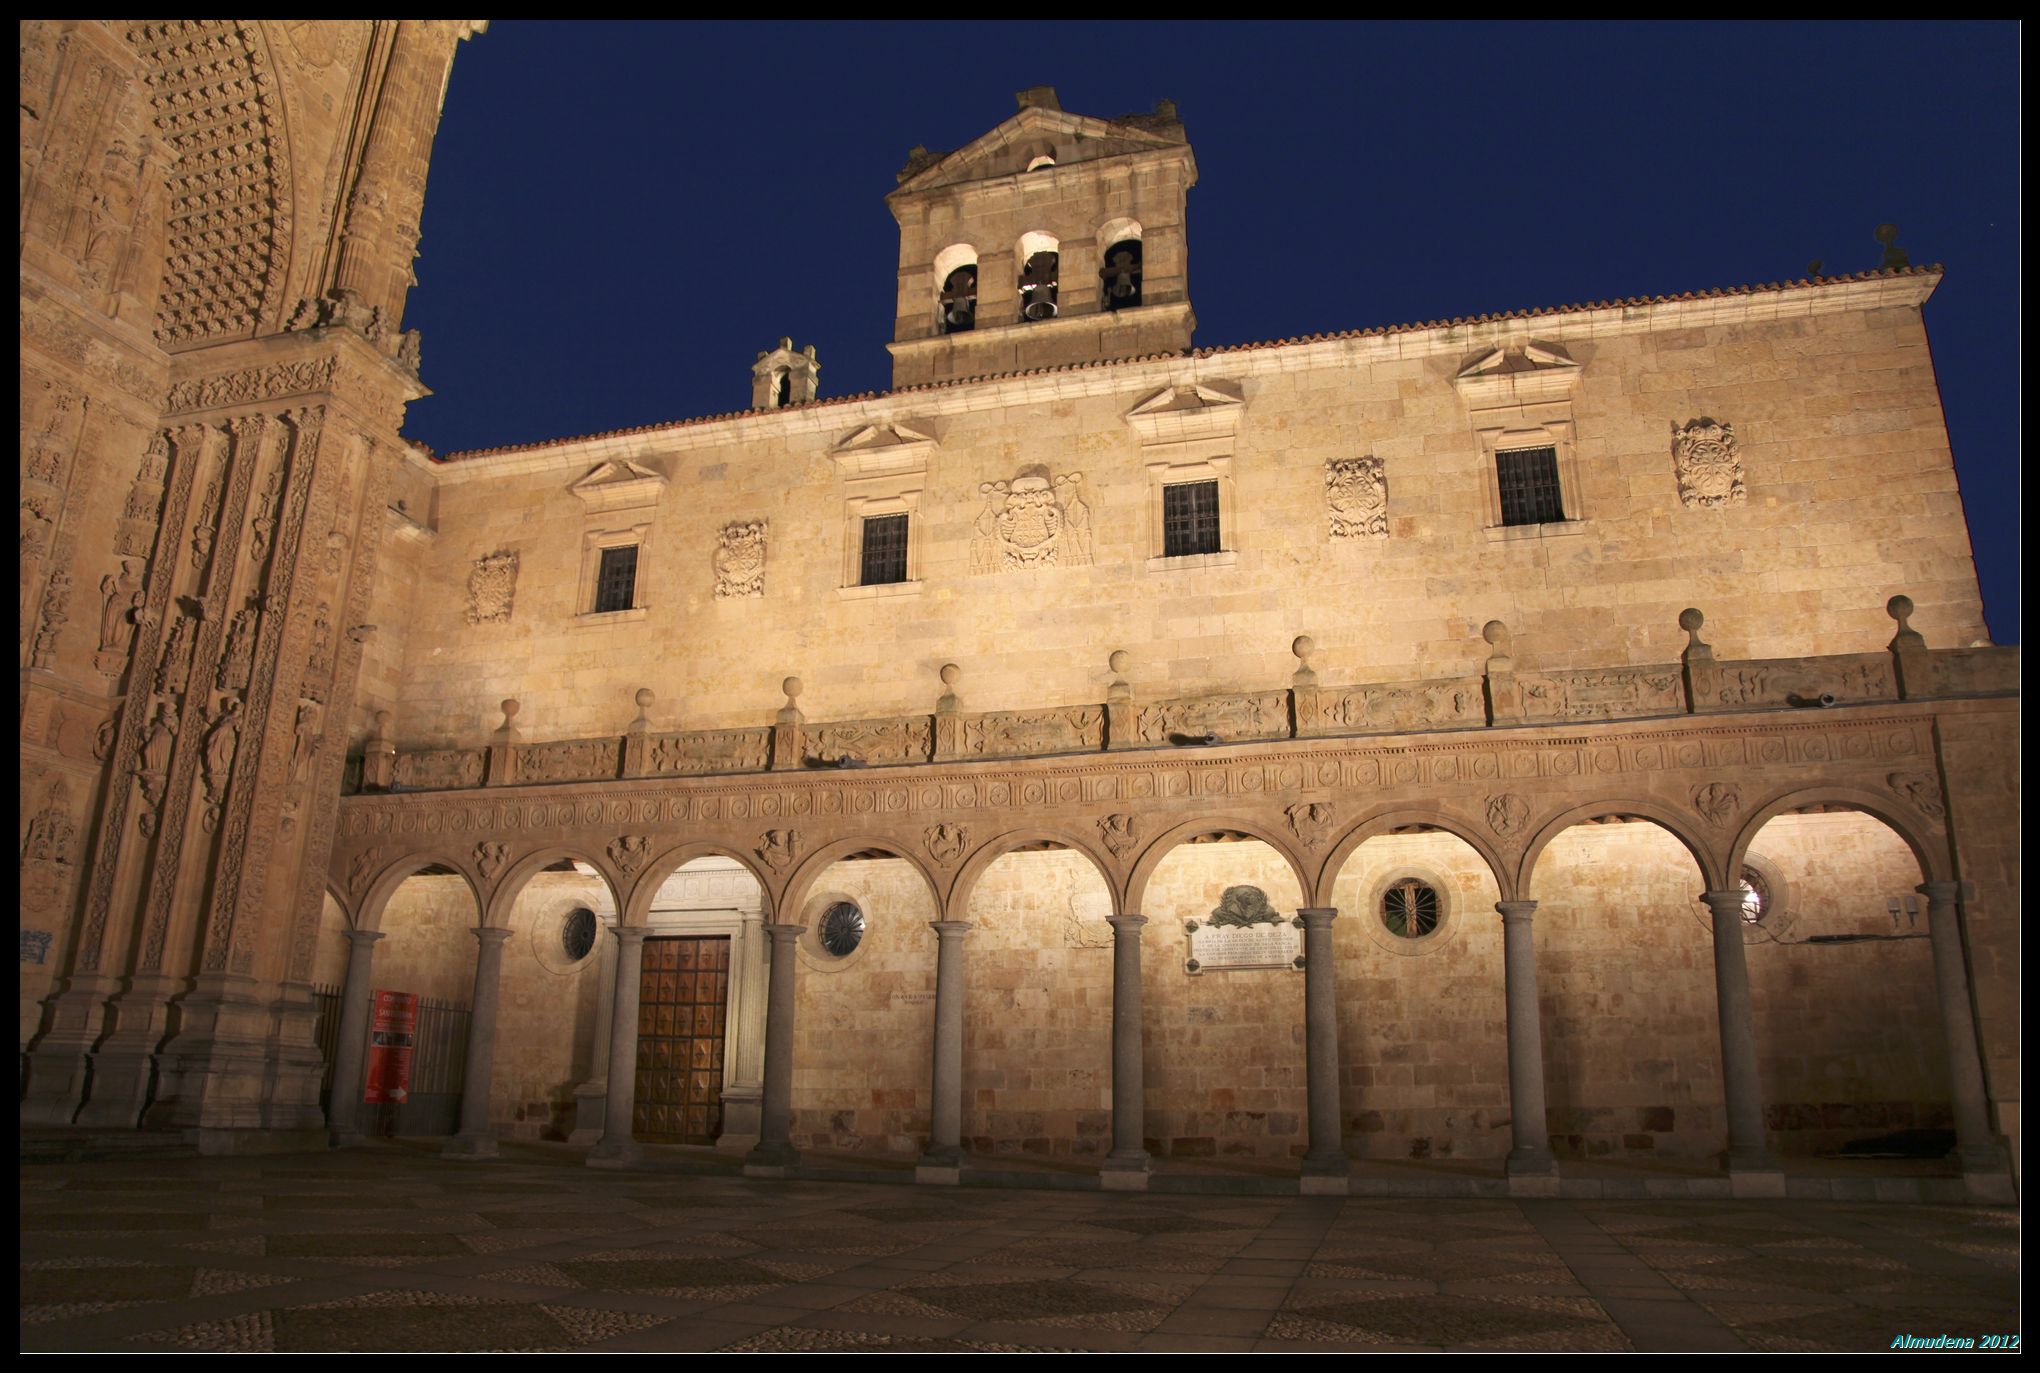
(1708, 463)
(51, 619)
(1311, 821)
(492, 587)
(447, 769)
(1717, 801)
(1599, 694)
(1120, 833)
(629, 853)
(1793, 682)
(1356, 498)
(1424, 705)
(1014, 733)
(709, 751)
(49, 853)
(1034, 520)
(1232, 718)
(873, 741)
(779, 848)
(239, 659)
(740, 560)
(946, 843)
(1507, 813)
(572, 761)
(135, 536)
(1921, 791)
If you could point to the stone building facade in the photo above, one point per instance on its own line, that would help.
(1094, 748)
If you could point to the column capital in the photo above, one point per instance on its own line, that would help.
(363, 939)
(1939, 893)
(629, 936)
(1515, 910)
(951, 929)
(1725, 902)
(1317, 917)
(1126, 924)
(490, 934)
(785, 934)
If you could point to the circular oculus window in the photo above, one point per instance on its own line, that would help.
(1409, 909)
(577, 934)
(841, 929)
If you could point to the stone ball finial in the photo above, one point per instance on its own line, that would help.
(1496, 633)
(1120, 660)
(1303, 647)
(1691, 619)
(510, 706)
(1899, 608)
(949, 674)
(644, 698)
(791, 686)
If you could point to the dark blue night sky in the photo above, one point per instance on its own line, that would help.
(621, 216)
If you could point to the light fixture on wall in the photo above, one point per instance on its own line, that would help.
(1910, 906)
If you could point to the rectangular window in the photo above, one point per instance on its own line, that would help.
(1529, 483)
(1189, 519)
(616, 579)
(885, 551)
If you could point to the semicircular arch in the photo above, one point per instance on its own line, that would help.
(637, 909)
(1160, 847)
(1387, 822)
(503, 900)
(967, 876)
(1931, 855)
(373, 902)
(810, 870)
(1678, 825)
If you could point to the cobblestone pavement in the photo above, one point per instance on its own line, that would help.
(390, 1248)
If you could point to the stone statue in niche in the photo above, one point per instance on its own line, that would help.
(1034, 520)
(221, 742)
(51, 833)
(154, 771)
(123, 602)
(1709, 466)
(1243, 906)
(1356, 497)
(492, 586)
(740, 560)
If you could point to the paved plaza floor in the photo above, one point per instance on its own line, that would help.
(391, 1248)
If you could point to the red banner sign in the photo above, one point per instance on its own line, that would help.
(393, 1032)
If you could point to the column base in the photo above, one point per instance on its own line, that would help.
(770, 1160)
(591, 1112)
(470, 1147)
(1533, 1184)
(1326, 1165)
(607, 1155)
(1125, 1172)
(938, 1174)
(1993, 1188)
(345, 1139)
(1747, 1181)
(1323, 1184)
(1530, 1163)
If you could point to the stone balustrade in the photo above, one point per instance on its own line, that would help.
(1502, 695)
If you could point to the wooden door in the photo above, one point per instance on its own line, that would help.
(683, 1006)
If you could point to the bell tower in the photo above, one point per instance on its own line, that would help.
(1053, 239)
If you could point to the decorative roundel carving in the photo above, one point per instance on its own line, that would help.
(382, 822)
(648, 812)
(1070, 791)
(1901, 742)
(897, 798)
(563, 814)
(966, 796)
(832, 802)
(1566, 764)
(457, 821)
(1032, 794)
(1444, 769)
(1250, 781)
(432, 822)
(1855, 746)
(1691, 755)
(767, 806)
(1607, 760)
(803, 803)
(1142, 785)
(931, 797)
(737, 808)
(999, 794)
(407, 824)
(1816, 750)
(863, 803)
(1406, 770)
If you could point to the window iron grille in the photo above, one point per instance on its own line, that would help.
(1410, 909)
(1529, 484)
(616, 579)
(885, 551)
(1190, 519)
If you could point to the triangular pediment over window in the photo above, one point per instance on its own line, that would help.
(1007, 149)
(619, 485)
(1530, 374)
(878, 449)
(1184, 414)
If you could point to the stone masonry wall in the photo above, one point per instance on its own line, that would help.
(1851, 497)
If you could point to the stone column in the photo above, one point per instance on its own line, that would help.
(743, 1086)
(1531, 1155)
(477, 1137)
(343, 1106)
(943, 1160)
(616, 1147)
(1975, 1145)
(775, 1153)
(1753, 1169)
(1325, 1165)
(1126, 1167)
(591, 1114)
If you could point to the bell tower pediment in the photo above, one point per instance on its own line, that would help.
(1052, 239)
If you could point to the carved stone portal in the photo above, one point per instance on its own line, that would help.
(1356, 495)
(740, 560)
(492, 587)
(1709, 466)
(1034, 520)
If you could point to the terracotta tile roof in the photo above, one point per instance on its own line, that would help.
(1377, 331)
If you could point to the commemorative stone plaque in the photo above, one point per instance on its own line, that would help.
(1243, 932)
